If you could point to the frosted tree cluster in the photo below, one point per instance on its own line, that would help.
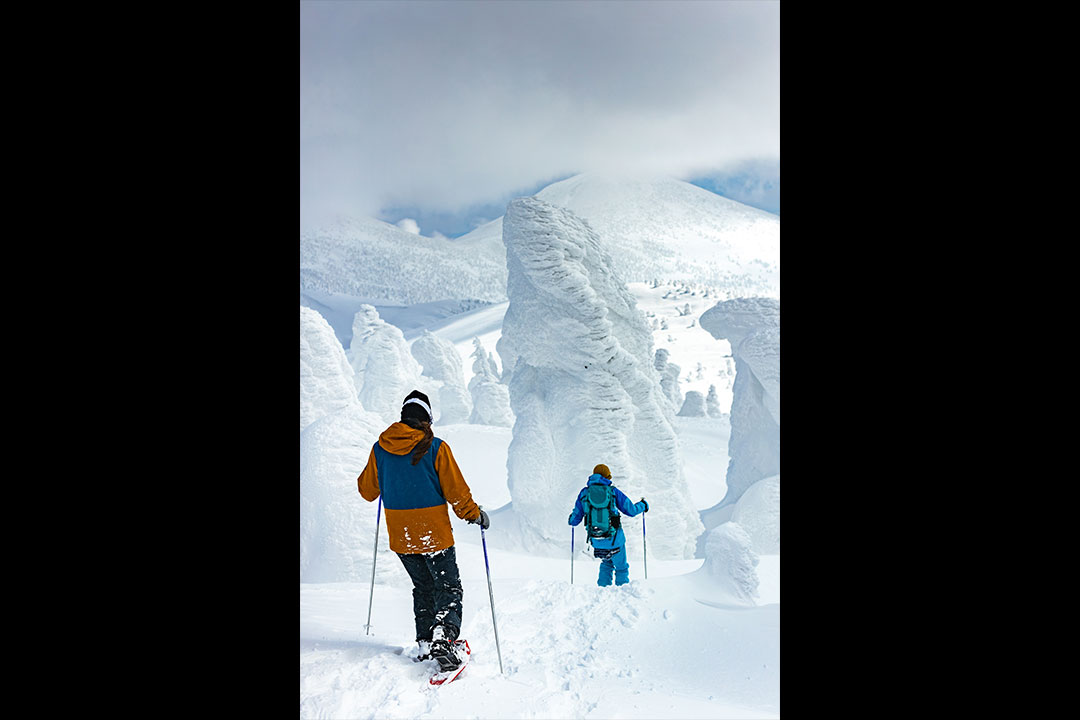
(336, 434)
(362, 257)
(490, 397)
(384, 369)
(326, 378)
(442, 363)
(752, 327)
(583, 388)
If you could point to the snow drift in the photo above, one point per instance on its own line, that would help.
(578, 357)
(752, 326)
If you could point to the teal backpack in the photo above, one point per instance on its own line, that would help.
(601, 515)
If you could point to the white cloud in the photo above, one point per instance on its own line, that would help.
(450, 104)
(409, 225)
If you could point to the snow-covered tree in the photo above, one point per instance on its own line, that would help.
(326, 378)
(752, 326)
(693, 405)
(442, 363)
(669, 378)
(490, 397)
(712, 403)
(385, 370)
(578, 356)
(337, 527)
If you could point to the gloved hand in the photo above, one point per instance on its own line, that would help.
(482, 521)
(570, 519)
(646, 504)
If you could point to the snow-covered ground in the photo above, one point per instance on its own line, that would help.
(677, 644)
(667, 646)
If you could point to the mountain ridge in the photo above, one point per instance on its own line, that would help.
(657, 228)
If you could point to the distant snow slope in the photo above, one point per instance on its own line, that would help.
(368, 258)
(666, 229)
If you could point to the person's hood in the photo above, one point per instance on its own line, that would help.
(399, 438)
(598, 479)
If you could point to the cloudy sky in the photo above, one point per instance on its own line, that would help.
(443, 111)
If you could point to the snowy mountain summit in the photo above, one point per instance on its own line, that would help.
(665, 228)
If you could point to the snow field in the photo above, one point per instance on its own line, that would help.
(662, 647)
(672, 646)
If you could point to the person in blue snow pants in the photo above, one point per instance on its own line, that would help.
(614, 547)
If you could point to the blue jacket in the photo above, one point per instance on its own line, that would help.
(623, 503)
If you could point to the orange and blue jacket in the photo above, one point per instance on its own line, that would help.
(414, 497)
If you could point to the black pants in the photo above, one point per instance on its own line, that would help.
(436, 592)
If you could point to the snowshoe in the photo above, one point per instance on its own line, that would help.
(462, 653)
(445, 654)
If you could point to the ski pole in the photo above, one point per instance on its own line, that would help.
(491, 597)
(374, 555)
(571, 554)
(644, 544)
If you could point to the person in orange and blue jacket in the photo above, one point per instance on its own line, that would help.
(417, 476)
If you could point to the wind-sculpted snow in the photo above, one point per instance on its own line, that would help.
(730, 561)
(752, 327)
(442, 363)
(385, 370)
(368, 258)
(337, 526)
(758, 512)
(326, 379)
(577, 355)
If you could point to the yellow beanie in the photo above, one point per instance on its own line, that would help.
(602, 470)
